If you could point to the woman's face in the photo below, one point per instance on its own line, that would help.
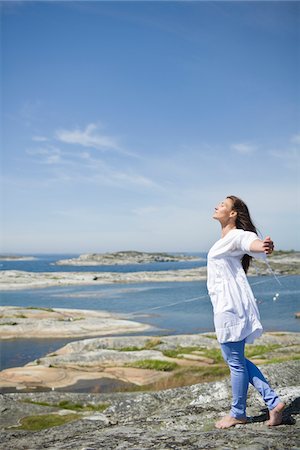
(224, 211)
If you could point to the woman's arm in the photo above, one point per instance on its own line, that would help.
(266, 246)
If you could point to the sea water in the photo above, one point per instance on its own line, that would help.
(144, 302)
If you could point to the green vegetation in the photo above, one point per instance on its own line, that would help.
(8, 323)
(150, 345)
(212, 353)
(40, 308)
(186, 376)
(154, 364)
(42, 421)
(66, 404)
(128, 349)
(282, 252)
(211, 336)
(174, 353)
(283, 359)
(260, 350)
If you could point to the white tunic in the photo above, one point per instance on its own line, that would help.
(236, 316)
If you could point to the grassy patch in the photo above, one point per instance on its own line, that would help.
(258, 350)
(66, 404)
(187, 376)
(14, 316)
(152, 343)
(278, 334)
(175, 352)
(42, 421)
(40, 308)
(213, 353)
(154, 364)
(27, 400)
(8, 323)
(283, 359)
(211, 336)
(128, 349)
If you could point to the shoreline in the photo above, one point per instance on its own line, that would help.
(42, 323)
(282, 263)
(125, 258)
(141, 362)
(13, 280)
(17, 279)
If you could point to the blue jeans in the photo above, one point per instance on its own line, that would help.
(242, 372)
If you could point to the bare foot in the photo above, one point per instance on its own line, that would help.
(276, 415)
(229, 421)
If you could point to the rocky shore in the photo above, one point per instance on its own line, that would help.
(151, 363)
(181, 418)
(17, 279)
(282, 263)
(36, 322)
(124, 258)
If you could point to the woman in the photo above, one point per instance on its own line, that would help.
(236, 316)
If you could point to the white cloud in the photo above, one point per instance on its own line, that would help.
(132, 178)
(244, 148)
(81, 167)
(47, 155)
(91, 137)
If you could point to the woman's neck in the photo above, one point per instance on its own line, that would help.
(227, 228)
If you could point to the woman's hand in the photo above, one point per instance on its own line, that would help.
(268, 245)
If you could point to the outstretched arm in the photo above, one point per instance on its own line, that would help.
(266, 246)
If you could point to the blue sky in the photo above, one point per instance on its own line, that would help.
(125, 123)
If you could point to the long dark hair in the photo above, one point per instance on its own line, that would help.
(244, 222)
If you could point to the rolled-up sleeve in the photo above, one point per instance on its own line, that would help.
(246, 240)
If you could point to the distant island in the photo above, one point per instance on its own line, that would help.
(281, 262)
(123, 258)
(16, 258)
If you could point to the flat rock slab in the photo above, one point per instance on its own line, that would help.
(16, 322)
(107, 357)
(181, 418)
(17, 279)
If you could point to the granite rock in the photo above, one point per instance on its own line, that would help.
(181, 418)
